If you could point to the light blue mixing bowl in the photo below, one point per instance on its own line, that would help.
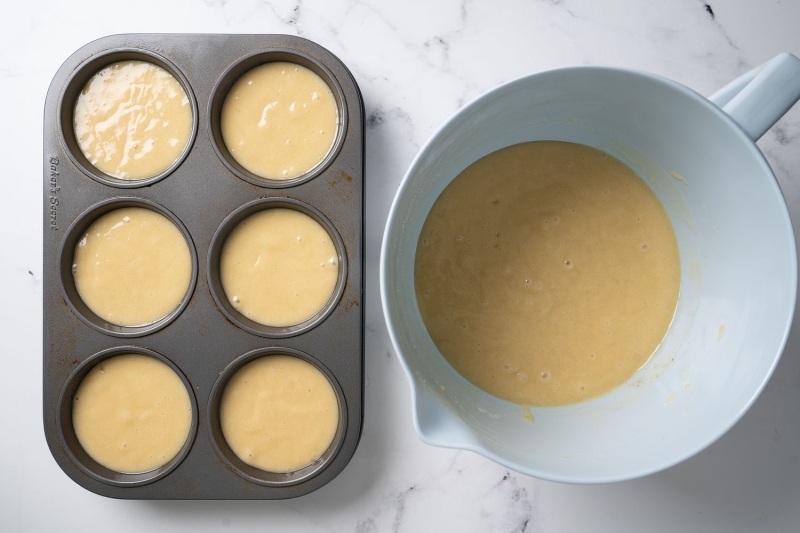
(738, 260)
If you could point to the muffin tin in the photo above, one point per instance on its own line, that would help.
(205, 193)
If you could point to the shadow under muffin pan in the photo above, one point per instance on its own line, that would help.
(206, 194)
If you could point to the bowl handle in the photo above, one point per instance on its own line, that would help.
(757, 99)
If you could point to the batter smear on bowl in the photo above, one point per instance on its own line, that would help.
(547, 273)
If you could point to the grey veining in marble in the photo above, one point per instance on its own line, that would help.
(416, 62)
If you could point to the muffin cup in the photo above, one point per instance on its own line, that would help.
(76, 452)
(251, 473)
(215, 281)
(66, 254)
(240, 68)
(75, 84)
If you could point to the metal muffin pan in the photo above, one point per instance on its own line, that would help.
(205, 193)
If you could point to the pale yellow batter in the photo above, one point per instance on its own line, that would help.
(132, 120)
(279, 267)
(132, 413)
(279, 413)
(132, 267)
(279, 120)
(547, 273)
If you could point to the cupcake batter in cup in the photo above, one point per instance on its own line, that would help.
(132, 267)
(279, 267)
(279, 120)
(279, 413)
(132, 413)
(132, 120)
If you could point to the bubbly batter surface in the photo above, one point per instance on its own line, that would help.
(547, 273)
(132, 120)
(279, 413)
(132, 413)
(279, 120)
(132, 267)
(279, 267)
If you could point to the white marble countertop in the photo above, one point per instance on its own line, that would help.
(416, 62)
